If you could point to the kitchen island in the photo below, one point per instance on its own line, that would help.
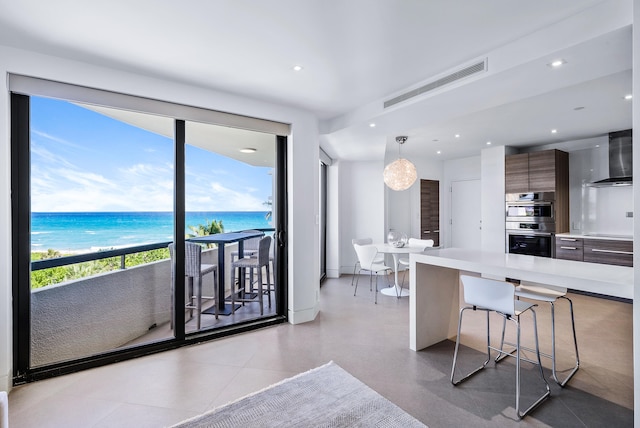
(435, 296)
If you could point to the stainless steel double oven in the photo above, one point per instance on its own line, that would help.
(530, 223)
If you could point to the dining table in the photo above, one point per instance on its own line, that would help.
(221, 239)
(396, 252)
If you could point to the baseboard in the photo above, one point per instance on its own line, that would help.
(5, 383)
(333, 273)
(305, 315)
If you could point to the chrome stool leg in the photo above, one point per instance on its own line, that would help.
(552, 357)
(553, 344)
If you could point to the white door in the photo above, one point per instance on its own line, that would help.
(465, 214)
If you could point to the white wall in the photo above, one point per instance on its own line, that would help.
(455, 170)
(333, 221)
(361, 199)
(493, 205)
(303, 162)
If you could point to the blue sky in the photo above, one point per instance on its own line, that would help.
(84, 161)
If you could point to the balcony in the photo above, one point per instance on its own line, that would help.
(118, 309)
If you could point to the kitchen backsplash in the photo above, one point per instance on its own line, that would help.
(606, 210)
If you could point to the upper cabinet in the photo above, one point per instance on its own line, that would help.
(545, 171)
(516, 173)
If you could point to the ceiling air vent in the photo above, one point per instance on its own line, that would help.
(449, 78)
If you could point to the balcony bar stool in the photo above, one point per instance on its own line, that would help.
(483, 294)
(194, 270)
(363, 241)
(262, 260)
(367, 259)
(270, 285)
(541, 293)
(250, 246)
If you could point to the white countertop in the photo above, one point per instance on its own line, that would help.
(595, 236)
(590, 277)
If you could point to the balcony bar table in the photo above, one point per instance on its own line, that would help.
(221, 239)
(396, 290)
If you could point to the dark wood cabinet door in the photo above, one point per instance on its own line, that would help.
(611, 252)
(569, 248)
(542, 171)
(430, 210)
(516, 177)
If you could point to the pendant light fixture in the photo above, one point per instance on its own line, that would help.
(401, 173)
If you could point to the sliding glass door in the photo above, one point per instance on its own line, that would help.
(100, 185)
(106, 202)
(229, 187)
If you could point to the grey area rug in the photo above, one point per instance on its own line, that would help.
(327, 396)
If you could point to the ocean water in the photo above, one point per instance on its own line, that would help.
(96, 230)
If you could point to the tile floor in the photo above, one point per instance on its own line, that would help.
(371, 342)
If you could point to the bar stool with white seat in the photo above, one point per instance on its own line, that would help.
(489, 295)
(549, 294)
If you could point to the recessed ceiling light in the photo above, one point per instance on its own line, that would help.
(597, 145)
(438, 152)
(372, 125)
(488, 143)
(297, 67)
(557, 63)
(628, 97)
(248, 150)
(457, 135)
(554, 131)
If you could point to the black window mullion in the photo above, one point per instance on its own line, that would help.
(178, 233)
(280, 217)
(21, 231)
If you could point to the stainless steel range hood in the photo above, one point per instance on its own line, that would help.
(620, 160)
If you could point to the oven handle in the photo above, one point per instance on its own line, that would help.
(527, 233)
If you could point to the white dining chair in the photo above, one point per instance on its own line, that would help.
(404, 261)
(363, 241)
(489, 295)
(367, 258)
(545, 293)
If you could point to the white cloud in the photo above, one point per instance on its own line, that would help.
(56, 139)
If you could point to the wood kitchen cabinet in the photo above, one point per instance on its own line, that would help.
(430, 210)
(605, 251)
(611, 252)
(569, 248)
(545, 171)
(516, 173)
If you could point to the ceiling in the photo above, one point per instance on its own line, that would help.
(357, 54)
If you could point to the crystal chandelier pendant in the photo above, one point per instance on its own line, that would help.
(401, 173)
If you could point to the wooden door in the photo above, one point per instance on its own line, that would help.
(430, 210)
